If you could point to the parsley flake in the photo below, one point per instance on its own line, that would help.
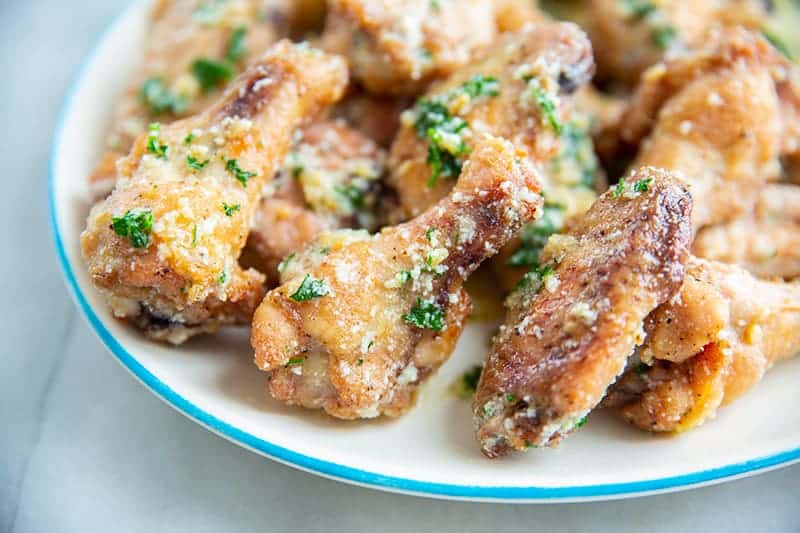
(663, 36)
(479, 85)
(534, 236)
(210, 73)
(547, 105)
(237, 47)
(643, 185)
(229, 210)
(223, 277)
(136, 225)
(294, 361)
(196, 164)
(619, 189)
(309, 289)
(153, 145)
(159, 99)
(425, 314)
(232, 166)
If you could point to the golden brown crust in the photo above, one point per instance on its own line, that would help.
(556, 57)
(189, 260)
(376, 334)
(329, 180)
(755, 324)
(181, 32)
(398, 47)
(567, 338)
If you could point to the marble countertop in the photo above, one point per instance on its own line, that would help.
(84, 447)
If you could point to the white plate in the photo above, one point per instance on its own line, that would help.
(430, 451)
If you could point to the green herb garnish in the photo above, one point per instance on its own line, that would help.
(643, 185)
(229, 210)
(534, 236)
(136, 225)
(663, 36)
(196, 164)
(159, 99)
(638, 8)
(619, 189)
(236, 45)
(535, 278)
(223, 277)
(210, 73)
(189, 138)
(465, 386)
(425, 314)
(232, 166)
(294, 361)
(310, 288)
(479, 85)
(548, 107)
(153, 145)
(353, 194)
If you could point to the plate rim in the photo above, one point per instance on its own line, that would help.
(329, 469)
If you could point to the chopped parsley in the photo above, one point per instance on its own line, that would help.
(360, 362)
(229, 210)
(210, 73)
(581, 422)
(237, 47)
(353, 194)
(577, 152)
(403, 277)
(232, 166)
(189, 138)
(294, 361)
(643, 185)
(309, 289)
(546, 104)
(534, 236)
(429, 233)
(619, 188)
(194, 235)
(153, 145)
(223, 277)
(638, 9)
(479, 85)
(467, 383)
(196, 164)
(136, 225)
(285, 262)
(536, 278)
(443, 130)
(159, 99)
(510, 398)
(425, 314)
(663, 36)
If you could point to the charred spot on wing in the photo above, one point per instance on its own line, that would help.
(261, 83)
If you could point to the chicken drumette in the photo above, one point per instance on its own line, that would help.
(164, 246)
(361, 321)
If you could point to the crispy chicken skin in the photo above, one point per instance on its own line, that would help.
(707, 346)
(386, 310)
(399, 46)
(713, 117)
(199, 181)
(163, 88)
(765, 242)
(330, 179)
(519, 89)
(571, 327)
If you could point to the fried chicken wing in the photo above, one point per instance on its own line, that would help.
(398, 47)
(519, 89)
(765, 242)
(329, 180)
(707, 346)
(377, 117)
(713, 116)
(572, 324)
(361, 321)
(163, 247)
(193, 48)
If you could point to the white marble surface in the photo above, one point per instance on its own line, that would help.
(83, 447)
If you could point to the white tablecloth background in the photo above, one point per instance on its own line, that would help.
(84, 448)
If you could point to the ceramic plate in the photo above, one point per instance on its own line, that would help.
(430, 451)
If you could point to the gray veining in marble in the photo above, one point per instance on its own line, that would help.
(84, 447)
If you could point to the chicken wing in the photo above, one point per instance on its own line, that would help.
(573, 323)
(714, 118)
(766, 242)
(398, 47)
(361, 321)
(164, 246)
(193, 48)
(329, 180)
(709, 345)
(520, 90)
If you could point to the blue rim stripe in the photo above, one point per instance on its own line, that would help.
(334, 470)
